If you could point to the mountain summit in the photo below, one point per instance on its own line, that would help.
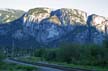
(45, 26)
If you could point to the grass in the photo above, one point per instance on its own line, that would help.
(96, 68)
(15, 67)
(30, 59)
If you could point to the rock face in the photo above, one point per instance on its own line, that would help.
(70, 16)
(36, 15)
(45, 26)
(8, 15)
(99, 28)
(99, 22)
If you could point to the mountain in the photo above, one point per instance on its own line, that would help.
(48, 27)
(8, 15)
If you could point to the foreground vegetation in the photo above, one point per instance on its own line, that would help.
(88, 67)
(84, 56)
(13, 67)
(70, 55)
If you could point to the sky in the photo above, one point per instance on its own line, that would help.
(99, 7)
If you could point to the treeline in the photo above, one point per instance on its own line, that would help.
(69, 53)
(76, 54)
(15, 51)
(2, 56)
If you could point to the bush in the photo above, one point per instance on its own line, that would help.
(67, 53)
(40, 52)
(26, 68)
(50, 55)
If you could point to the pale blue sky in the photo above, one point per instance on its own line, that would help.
(99, 7)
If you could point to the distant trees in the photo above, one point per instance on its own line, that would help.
(76, 54)
(50, 54)
(105, 42)
(67, 52)
(1, 54)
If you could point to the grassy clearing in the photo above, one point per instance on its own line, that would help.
(15, 67)
(30, 59)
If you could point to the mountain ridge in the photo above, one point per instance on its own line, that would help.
(45, 26)
(8, 15)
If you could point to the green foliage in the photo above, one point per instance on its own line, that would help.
(105, 43)
(26, 68)
(50, 55)
(40, 52)
(69, 53)
(76, 54)
(30, 59)
(2, 56)
(15, 67)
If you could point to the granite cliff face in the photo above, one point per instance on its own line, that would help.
(98, 26)
(36, 15)
(101, 23)
(70, 16)
(45, 26)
